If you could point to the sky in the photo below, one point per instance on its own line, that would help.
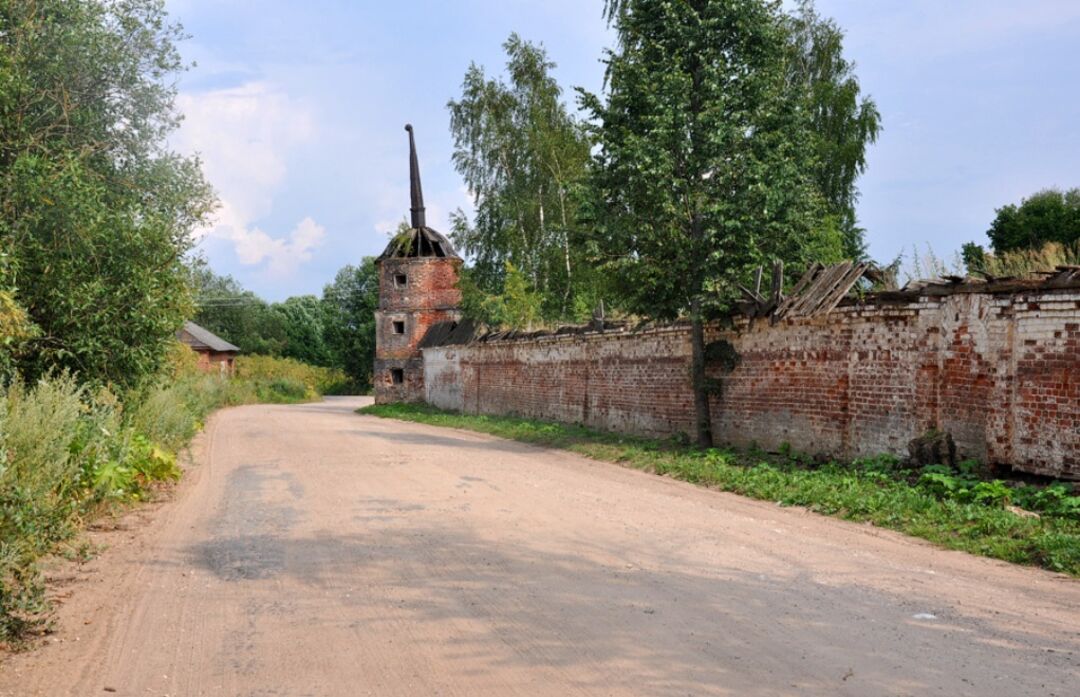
(297, 110)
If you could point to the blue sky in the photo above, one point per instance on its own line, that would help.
(298, 108)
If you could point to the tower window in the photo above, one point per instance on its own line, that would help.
(399, 326)
(397, 376)
(401, 280)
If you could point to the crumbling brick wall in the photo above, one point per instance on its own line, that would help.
(414, 294)
(632, 383)
(1001, 373)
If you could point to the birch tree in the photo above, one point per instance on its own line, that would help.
(523, 157)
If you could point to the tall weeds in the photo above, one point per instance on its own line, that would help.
(1025, 262)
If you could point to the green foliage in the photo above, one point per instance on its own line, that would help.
(95, 213)
(1056, 500)
(51, 434)
(517, 307)
(705, 162)
(16, 330)
(873, 490)
(705, 165)
(304, 319)
(1050, 215)
(524, 158)
(828, 243)
(235, 314)
(350, 302)
(966, 486)
(974, 257)
(334, 331)
(287, 379)
(844, 121)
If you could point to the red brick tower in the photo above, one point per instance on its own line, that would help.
(418, 277)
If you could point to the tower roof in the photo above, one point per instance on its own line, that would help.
(419, 240)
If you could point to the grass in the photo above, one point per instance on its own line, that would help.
(1025, 262)
(877, 491)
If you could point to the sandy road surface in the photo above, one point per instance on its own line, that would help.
(316, 552)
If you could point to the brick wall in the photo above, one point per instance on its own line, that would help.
(999, 372)
(635, 383)
(430, 283)
(414, 294)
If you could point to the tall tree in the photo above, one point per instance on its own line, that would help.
(235, 314)
(351, 300)
(705, 165)
(844, 121)
(1050, 215)
(96, 213)
(523, 156)
(305, 322)
(336, 330)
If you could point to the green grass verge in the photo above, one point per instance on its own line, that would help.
(867, 491)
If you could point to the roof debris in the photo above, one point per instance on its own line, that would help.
(818, 292)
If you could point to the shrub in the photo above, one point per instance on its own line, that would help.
(1055, 500)
(263, 370)
(47, 432)
(170, 415)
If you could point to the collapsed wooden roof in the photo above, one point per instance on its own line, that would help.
(823, 288)
(820, 290)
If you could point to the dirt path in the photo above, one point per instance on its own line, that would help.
(316, 552)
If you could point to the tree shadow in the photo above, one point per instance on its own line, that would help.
(410, 438)
(664, 629)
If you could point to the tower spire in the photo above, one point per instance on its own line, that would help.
(419, 221)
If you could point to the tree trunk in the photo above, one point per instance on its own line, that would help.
(697, 374)
(566, 250)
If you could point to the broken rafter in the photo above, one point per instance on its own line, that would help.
(806, 280)
(819, 290)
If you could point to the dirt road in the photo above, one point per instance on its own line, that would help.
(315, 552)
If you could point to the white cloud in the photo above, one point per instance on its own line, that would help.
(253, 246)
(244, 135)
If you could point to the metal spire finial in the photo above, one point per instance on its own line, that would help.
(417, 194)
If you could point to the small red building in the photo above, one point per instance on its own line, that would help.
(215, 354)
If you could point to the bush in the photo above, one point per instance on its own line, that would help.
(314, 380)
(48, 434)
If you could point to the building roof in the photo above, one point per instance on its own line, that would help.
(199, 338)
(419, 240)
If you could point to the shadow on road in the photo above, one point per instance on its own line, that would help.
(682, 632)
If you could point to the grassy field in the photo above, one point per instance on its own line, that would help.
(953, 509)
